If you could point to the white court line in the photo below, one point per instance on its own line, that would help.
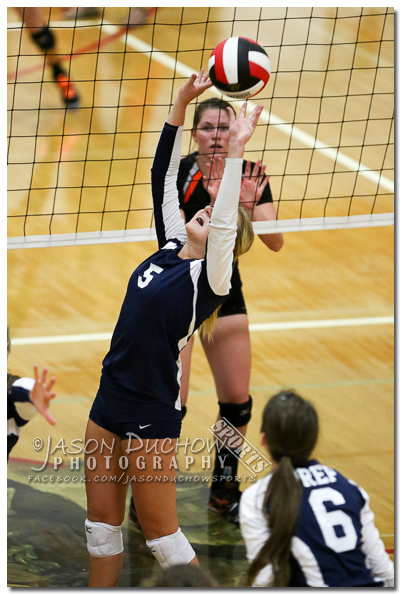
(265, 326)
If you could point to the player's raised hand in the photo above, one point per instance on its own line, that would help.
(253, 185)
(42, 394)
(213, 179)
(195, 86)
(192, 88)
(242, 128)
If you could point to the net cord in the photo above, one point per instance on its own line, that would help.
(148, 234)
(265, 227)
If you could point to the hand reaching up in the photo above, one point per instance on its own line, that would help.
(192, 88)
(241, 129)
(253, 185)
(213, 179)
(42, 394)
(195, 86)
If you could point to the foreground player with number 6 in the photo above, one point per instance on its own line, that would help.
(304, 524)
(137, 410)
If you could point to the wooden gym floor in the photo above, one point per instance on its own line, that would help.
(321, 321)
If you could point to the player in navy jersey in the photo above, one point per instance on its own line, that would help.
(25, 397)
(305, 524)
(136, 417)
(229, 349)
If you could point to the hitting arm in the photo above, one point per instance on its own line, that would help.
(223, 224)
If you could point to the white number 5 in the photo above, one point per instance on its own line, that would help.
(149, 275)
(336, 518)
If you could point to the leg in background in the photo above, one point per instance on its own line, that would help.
(229, 357)
(36, 19)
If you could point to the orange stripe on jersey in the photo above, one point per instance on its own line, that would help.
(192, 185)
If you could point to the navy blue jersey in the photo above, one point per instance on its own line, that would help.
(167, 297)
(20, 408)
(336, 543)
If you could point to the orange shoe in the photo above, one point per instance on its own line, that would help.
(226, 503)
(68, 91)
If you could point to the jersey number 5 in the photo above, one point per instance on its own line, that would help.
(148, 275)
(345, 538)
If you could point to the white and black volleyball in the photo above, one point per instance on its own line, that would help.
(239, 67)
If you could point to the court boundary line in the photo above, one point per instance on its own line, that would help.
(265, 326)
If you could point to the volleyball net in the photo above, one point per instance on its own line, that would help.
(82, 176)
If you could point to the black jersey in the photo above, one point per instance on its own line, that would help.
(193, 196)
(20, 408)
(167, 297)
(336, 543)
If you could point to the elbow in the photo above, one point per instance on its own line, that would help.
(276, 243)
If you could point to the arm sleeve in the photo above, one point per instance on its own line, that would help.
(168, 221)
(378, 560)
(222, 228)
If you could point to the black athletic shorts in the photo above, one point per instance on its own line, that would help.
(235, 303)
(129, 414)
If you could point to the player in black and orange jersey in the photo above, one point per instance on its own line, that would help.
(229, 352)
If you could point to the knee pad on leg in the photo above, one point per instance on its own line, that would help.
(103, 540)
(43, 38)
(238, 414)
(171, 550)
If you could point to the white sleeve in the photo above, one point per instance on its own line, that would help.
(222, 228)
(373, 547)
(254, 527)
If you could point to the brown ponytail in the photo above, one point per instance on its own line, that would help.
(290, 424)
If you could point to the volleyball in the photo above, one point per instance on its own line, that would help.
(239, 67)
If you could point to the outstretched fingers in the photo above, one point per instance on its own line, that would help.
(195, 85)
(49, 417)
(50, 386)
(243, 109)
(203, 77)
(232, 115)
(200, 81)
(255, 115)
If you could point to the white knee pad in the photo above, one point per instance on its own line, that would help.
(171, 550)
(103, 540)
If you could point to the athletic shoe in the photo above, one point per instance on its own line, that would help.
(68, 91)
(226, 503)
(132, 515)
